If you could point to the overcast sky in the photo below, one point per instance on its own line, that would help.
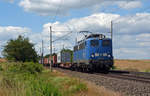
(32, 18)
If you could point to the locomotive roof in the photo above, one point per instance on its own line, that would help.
(101, 36)
(92, 36)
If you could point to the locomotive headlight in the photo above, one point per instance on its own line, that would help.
(92, 55)
(104, 54)
(109, 55)
(96, 54)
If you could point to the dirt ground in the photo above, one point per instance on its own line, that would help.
(2, 60)
(133, 65)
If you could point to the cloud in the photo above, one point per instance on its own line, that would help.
(129, 5)
(8, 32)
(51, 7)
(136, 24)
(131, 53)
(131, 36)
(57, 29)
(143, 39)
(95, 23)
(11, 32)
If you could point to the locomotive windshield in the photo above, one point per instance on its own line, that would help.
(75, 48)
(94, 42)
(106, 43)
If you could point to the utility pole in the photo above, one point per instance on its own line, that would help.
(40, 55)
(54, 50)
(111, 30)
(51, 48)
(76, 41)
(63, 46)
(42, 59)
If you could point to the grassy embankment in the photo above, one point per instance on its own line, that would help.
(133, 65)
(29, 79)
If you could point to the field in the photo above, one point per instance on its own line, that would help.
(133, 65)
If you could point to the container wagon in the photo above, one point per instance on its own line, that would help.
(64, 59)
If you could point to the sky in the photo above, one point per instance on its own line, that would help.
(32, 19)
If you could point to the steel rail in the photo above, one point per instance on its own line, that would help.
(127, 77)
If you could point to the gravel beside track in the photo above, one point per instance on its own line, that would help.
(125, 87)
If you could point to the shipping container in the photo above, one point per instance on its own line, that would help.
(45, 61)
(59, 58)
(65, 57)
(55, 59)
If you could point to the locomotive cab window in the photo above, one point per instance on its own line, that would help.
(82, 45)
(75, 48)
(106, 43)
(94, 42)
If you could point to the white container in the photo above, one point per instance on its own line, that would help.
(59, 57)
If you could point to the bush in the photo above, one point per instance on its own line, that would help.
(31, 67)
(42, 87)
(1, 69)
(28, 85)
(28, 67)
(23, 79)
(148, 70)
(114, 67)
(13, 67)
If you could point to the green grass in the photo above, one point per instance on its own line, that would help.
(114, 68)
(29, 79)
(148, 70)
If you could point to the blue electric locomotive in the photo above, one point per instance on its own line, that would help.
(94, 53)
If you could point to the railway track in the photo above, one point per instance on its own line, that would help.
(127, 76)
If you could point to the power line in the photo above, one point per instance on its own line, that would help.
(50, 35)
(62, 36)
(42, 55)
(57, 11)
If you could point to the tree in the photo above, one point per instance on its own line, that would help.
(20, 49)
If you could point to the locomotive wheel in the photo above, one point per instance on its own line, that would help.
(84, 70)
(72, 68)
(90, 70)
(106, 70)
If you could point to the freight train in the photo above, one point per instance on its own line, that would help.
(93, 53)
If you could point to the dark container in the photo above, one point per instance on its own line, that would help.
(65, 57)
